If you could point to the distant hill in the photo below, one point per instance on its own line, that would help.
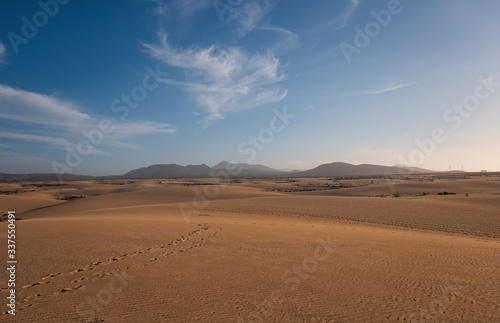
(42, 177)
(243, 170)
(248, 170)
(344, 169)
(169, 171)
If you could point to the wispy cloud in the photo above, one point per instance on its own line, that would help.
(60, 143)
(36, 138)
(223, 79)
(58, 122)
(250, 14)
(179, 8)
(254, 15)
(288, 41)
(340, 21)
(345, 17)
(3, 52)
(389, 88)
(25, 106)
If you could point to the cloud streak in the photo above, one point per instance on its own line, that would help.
(30, 107)
(345, 17)
(341, 21)
(36, 138)
(3, 52)
(179, 8)
(60, 123)
(222, 79)
(250, 14)
(387, 89)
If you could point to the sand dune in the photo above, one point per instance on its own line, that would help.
(123, 252)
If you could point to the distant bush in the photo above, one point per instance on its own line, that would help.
(396, 194)
(446, 193)
(4, 218)
(424, 193)
(69, 197)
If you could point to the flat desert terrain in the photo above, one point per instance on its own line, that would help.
(255, 250)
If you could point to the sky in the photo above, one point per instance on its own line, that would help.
(103, 87)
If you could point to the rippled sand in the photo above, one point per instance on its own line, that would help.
(256, 250)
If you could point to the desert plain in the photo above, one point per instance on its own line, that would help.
(255, 250)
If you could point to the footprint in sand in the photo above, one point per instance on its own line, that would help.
(35, 284)
(69, 289)
(51, 276)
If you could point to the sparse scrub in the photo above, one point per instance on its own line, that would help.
(446, 193)
(69, 197)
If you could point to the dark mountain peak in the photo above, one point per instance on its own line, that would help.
(222, 165)
(345, 169)
(169, 171)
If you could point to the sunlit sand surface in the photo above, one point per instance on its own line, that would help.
(258, 250)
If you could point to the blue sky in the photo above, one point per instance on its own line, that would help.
(102, 87)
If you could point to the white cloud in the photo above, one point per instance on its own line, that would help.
(179, 8)
(24, 106)
(36, 138)
(288, 41)
(2, 52)
(250, 14)
(388, 88)
(345, 17)
(223, 79)
(340, 21)
(59, 122)
(127, 129)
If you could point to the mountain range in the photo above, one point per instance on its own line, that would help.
(226, 168)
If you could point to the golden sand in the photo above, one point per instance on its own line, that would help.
(256, 250)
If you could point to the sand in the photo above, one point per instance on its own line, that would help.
(256, 250)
